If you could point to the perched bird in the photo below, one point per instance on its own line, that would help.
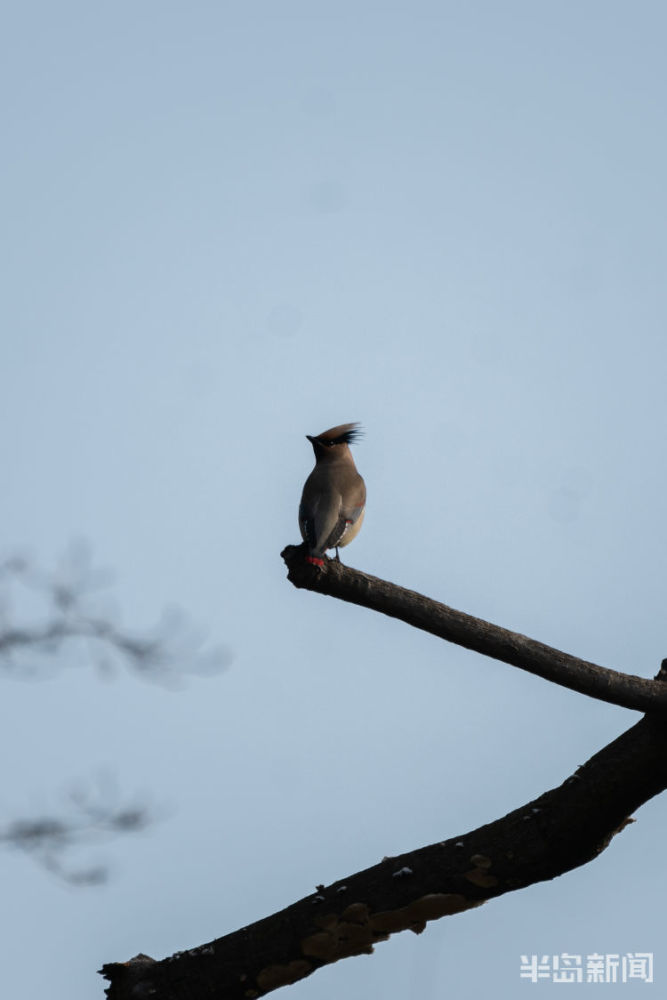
(334, 495)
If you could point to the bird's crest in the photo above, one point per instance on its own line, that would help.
(343, 434)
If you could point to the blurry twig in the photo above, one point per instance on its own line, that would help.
(92, 817)
(50, 619)
(59, 612)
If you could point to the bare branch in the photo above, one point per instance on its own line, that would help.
(62, 615)
(561, 830)
(93, 816)
(49, 619)
(347, 584)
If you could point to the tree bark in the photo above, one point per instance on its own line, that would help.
(347, 584)
(561, 830)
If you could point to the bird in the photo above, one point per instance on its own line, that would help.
(333, 501)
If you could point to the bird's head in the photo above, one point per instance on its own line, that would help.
(335, 441)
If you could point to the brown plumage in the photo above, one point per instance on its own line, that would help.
(334, 495)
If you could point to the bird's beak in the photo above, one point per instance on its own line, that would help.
(311, 439)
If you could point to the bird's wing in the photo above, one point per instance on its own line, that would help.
(319, 513)
(351, 514)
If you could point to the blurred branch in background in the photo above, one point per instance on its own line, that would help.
(52, 619)
(93, 816)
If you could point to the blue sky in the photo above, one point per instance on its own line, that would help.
(230, 225)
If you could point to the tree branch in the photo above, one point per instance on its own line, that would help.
(561, 830)
(68, 616)
(93, 816)
(336, 580)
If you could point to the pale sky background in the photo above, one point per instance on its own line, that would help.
(226, 226)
